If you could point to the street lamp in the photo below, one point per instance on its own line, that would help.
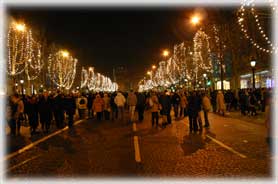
(165, 53)
(21, 82)
(205, 80)
(65, 53)
(195, 20)
(253, 64)
(19, 27)
(153, 67)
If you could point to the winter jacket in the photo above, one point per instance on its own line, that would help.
(155, 104)
(220, 101)
(80, 105)
(131, 99)
(183, 102)
(98, 104)
(119, 100)
(206, 103)
(106, 101)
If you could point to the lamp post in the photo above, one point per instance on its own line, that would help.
(253, 64)
(205, 80)
(21, 82)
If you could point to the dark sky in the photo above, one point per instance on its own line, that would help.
(106, 38)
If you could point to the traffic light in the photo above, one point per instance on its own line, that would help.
(208, 82)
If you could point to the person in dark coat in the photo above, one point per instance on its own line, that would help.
(89, 105)
(193, 107)
(176, 102)
(165, 101)
(70, 107)
(32, 112)
(58, 109)
(199, 109)
(141, 102)
(213, 100)
(114, 108)
(45, 111)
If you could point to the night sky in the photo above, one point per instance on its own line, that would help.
(106, 38)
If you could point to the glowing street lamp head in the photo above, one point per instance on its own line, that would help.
(19, 27)
(65, 53)
(153, 67)
(165, 53)
(195, 20)
(149, 73)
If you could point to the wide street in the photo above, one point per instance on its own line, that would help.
(230, 148)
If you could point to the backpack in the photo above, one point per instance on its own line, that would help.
(82, 101)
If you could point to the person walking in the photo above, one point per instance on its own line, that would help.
(70, 107)
(183, 105)
(82, 106)
(193, 112)
(165, 101)
(58, 109)
(45, 111)
(114, 109)
(220, 103)
(107, 108)
(252, 104)
(89, 105)
(199, 109)
(120, 102)
(32, 112)
(17, 110)
(98, 105)
(206, 108)
(155, 107)
(131, 102)
(141, 102)
(176, 103)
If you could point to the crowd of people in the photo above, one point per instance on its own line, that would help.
(58, 108)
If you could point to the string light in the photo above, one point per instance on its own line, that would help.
(201, 54)
(35, 63)
(97, 82)
(62, 69)
(19, 48)
(241, 19)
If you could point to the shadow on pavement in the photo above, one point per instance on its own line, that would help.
(195, 141)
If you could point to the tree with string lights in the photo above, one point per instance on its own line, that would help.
(62, 68)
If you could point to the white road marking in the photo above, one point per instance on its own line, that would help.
(22, 163)
(11, 155)
(224, 145)
(136, 149)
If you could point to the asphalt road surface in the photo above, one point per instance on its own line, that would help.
(230, 148)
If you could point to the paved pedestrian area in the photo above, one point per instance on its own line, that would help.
(230, 148)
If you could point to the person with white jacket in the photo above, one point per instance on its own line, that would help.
(120, 102)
